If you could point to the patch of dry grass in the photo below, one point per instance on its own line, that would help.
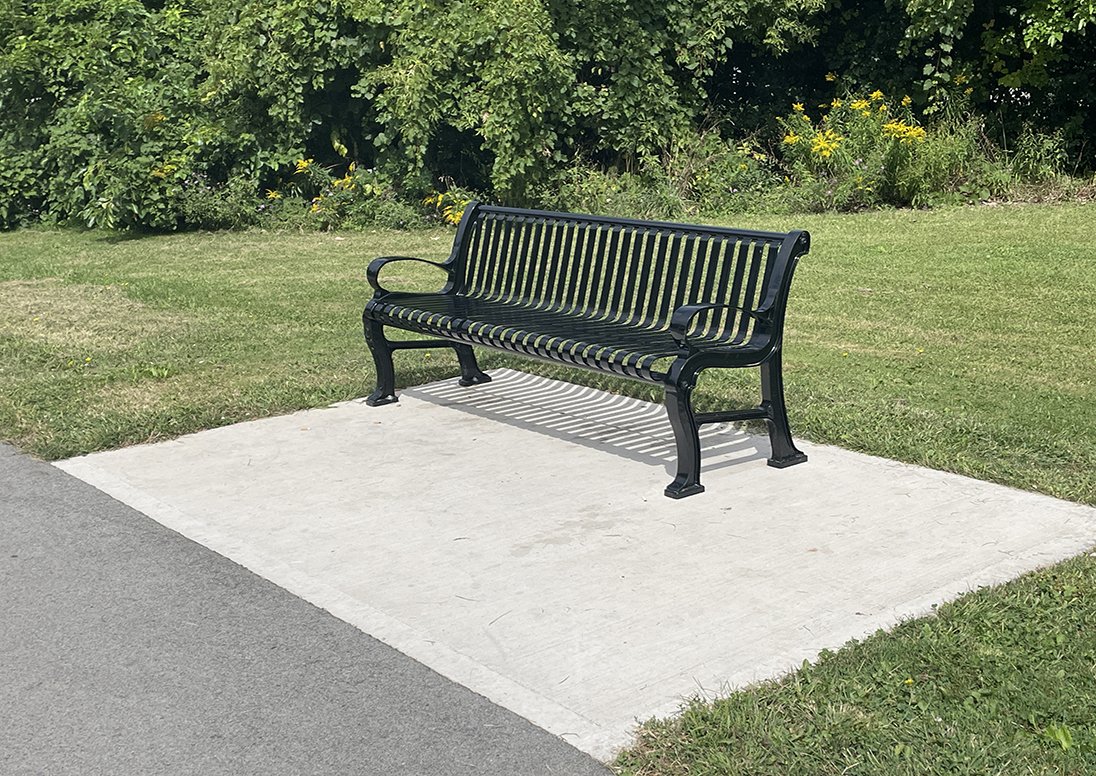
(80, 317)
(107, 341)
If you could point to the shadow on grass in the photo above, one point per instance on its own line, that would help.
(122, 237)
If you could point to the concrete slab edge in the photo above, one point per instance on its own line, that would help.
(1046, 554)
(582, 733)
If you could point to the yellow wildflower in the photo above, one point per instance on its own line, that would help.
(831, 77)
(791, 138)
(303, 164)
(797, 107)
(859, 104)
(904, 132)
(825, 143)
(836, 103)
(961, 79)
(894, 128)
(861, 185)
(876, 95)
(968, 91)
(907, 101)
(272, 194)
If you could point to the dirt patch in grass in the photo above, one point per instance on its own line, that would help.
(74, 317)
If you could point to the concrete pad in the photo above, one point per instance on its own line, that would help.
(129, 650)
(514, 537)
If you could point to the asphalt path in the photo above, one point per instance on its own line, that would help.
(126, 648)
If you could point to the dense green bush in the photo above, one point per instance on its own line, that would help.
(86, 89)
(646, 192)
(181, 113)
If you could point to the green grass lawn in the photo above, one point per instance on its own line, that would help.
(960, 339)
(106, 341)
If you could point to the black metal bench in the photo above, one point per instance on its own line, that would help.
(651, 301)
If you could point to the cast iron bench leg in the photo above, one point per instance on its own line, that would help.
(470, 373)
(784, 452)
(687, 437)
(382, 358)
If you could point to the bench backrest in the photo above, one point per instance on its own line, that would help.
(624, 270)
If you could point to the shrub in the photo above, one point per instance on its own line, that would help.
(109, 107)
(448, 206)
(957, 164)
(162, 114)
(866, 151)
(1039, 157)
(859, 153)
(207, 204)
(315, 196)
(647, 192)
(717, 176)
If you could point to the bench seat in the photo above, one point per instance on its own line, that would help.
(642, 350)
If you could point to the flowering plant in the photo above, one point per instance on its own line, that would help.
(858, 152)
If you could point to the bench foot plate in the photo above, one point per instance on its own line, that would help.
(786, 461)
(475, 379)
(684, 490)
(379, 399)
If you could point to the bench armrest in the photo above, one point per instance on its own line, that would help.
(683, 316)
(372, 274)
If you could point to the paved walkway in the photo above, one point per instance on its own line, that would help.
(514, 537)
(126, 648)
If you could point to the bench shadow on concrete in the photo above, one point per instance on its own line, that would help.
(619, 425)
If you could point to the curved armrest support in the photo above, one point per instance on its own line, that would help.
(372, 274)
(683, 316)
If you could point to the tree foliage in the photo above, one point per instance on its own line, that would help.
(117, 111)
